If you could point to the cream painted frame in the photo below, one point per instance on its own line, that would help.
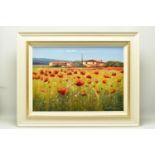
(25, 116)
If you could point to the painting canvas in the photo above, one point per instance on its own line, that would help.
(77, 78)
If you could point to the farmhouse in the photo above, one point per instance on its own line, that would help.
(93, 63)
(86, 63)
(60, 64)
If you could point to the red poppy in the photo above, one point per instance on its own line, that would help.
(96, 72)
(41, 71)
(104, 81)
(46, 74)
(121, 71)
(60, 75)
(97, 91)
(69, 73)
(112, 91)
(96, 81)
(43, 91)
(88, 76)
(113, 74)
(63, 91)
(83, 93)
(79, 83)
(119, 80)
(56, 71)
(52, 75)
(106, 76)
(78, 77)
(75, 72)
(34, 73)
(82, 73)
(42, 77)
(46, 79)
(34, 77)
(38, 77)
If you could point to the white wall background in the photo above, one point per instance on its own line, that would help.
(8, 70)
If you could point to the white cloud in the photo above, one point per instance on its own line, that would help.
(71, 50)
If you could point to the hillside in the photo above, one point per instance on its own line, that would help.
(45, 61)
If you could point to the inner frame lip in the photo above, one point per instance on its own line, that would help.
(46, 114)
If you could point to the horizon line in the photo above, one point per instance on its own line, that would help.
(79, 60)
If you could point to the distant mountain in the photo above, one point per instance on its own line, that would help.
(44, 61)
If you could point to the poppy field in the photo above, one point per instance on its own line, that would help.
(77, 89)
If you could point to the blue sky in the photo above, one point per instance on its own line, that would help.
(74, 53)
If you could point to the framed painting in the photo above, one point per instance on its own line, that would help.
(78, 79)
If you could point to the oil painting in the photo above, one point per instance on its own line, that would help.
(77, 78)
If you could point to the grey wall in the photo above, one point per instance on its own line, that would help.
(8, 66)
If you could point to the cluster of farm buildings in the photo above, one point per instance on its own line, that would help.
(85, 63)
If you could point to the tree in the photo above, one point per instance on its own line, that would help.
(114, 64)
(78, 64)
